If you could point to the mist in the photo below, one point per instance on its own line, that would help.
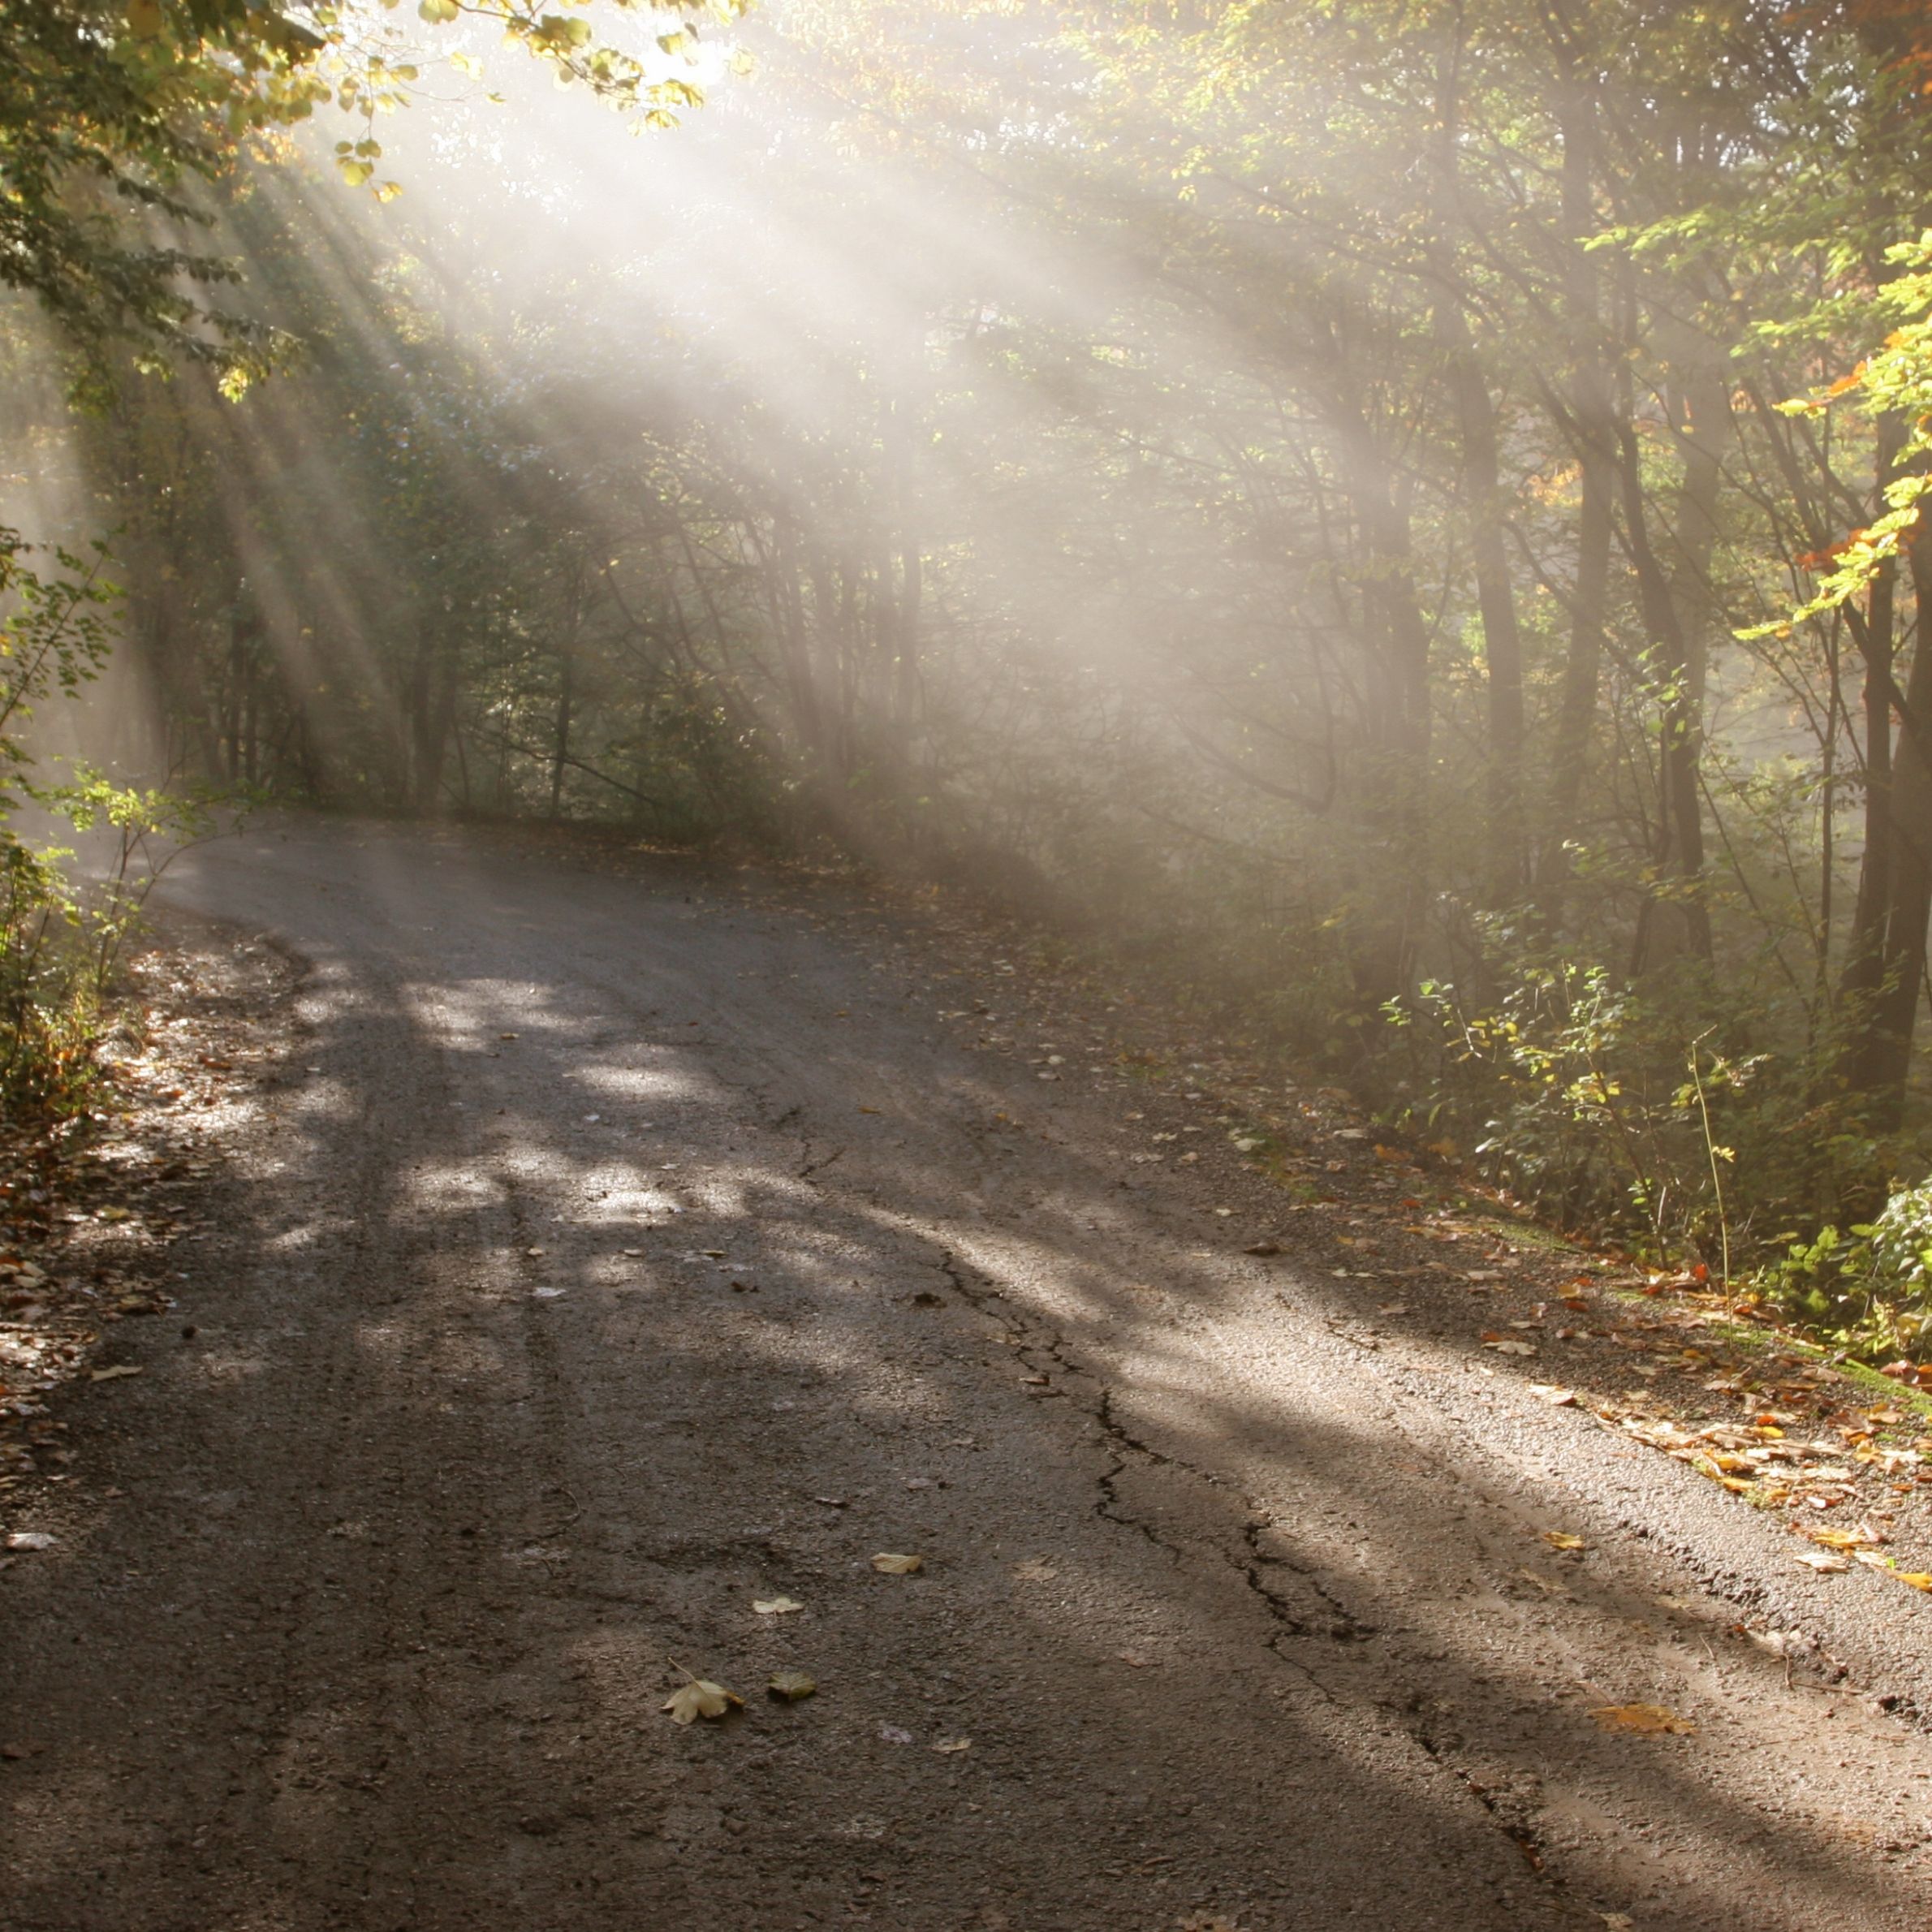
(1303, 503)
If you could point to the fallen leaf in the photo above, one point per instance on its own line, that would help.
(1507, 1345)
(700, 1698)
(1824, 1562)
(1860, 1538)
(1562, 1539)
(115, 1373)
(1262, 1247)
(1648, 1720)
(891, 1734)
(1920, 1579)
(1549, 1392)
(31, 1539)
(791, 1685)
(889, 1565)
(1036, 1569)
(954, 1743)
(776, 1607)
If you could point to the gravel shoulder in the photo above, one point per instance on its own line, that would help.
(599, 1252)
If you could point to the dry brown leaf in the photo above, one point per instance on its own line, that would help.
(1556, 1397)
(953, 1744)
(1562, 1539)
(1508, 1345)
(776, 1607)
(700, 1698)
(1036, 1569)
(1824, 1562)
(115, 1373)
(791, 1685)
(1648, 1720)
(889, 1565)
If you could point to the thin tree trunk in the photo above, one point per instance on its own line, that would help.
(566, 685)
(1592, 402)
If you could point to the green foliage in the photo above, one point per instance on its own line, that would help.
(1605, 1104)
(111, 112)
(1869, 1288)
(55, 634)
(63, 926)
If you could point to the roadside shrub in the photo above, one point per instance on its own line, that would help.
(1869, 1286)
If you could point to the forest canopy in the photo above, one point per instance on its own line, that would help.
(1403, 521)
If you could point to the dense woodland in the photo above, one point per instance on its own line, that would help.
(1394, 520)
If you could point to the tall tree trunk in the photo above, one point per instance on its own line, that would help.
(1680, 612)
(1879, 1052)
(1388, 935)
(1866, 954)
(1592, 409)
(1484, 504)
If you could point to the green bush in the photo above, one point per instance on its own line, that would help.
(1869, 1287)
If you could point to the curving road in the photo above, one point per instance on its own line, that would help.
(525, 1366)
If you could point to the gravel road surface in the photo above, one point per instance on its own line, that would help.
(610, 1254)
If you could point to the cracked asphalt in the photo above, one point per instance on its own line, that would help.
(604, 1254)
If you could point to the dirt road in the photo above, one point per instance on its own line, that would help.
(614, 1254)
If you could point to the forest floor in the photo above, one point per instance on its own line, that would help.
(527, 1275)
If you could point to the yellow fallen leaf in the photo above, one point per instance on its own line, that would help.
(1920, 1579)
(1843, 1539)
(954, 1743)
(1647, 1719)
(776, 1607)
(888, 1565)
(1562, 1539)
(700, 1698)
(791, 1685)
(119, 1369)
